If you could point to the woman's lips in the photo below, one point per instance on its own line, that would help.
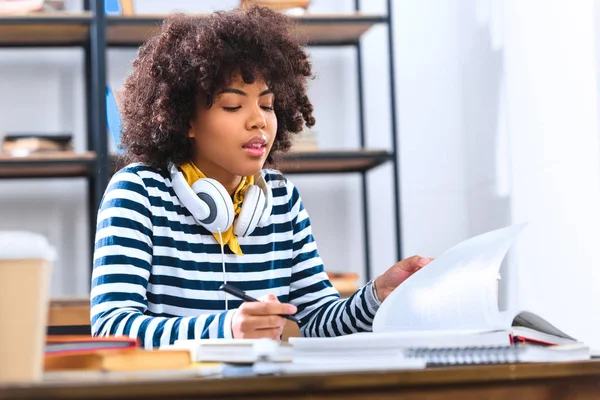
(256, 146)
(255, 149)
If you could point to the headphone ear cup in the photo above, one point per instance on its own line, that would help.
(214, 195)
(262, 184)
(186, 195)
(251, 212)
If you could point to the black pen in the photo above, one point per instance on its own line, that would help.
(240, 294)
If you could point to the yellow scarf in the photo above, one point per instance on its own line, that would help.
(191, 173)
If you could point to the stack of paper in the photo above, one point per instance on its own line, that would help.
(234, 350)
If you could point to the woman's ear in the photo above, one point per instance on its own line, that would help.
(192, 131)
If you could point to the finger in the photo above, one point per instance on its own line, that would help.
(270, 298)
(254, 322)
(424, 261)
(268, 308)
(410, 264)
(273, 333)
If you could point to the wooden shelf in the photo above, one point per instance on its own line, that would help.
(324, 162)
(51, 29)
(47, 165)
(69, 312)
(316, 29)
(332, 161)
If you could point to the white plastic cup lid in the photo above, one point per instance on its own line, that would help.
(19, 245)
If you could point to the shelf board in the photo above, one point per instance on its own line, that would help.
(64, 165)
(44, 29)
(47, 165)
(332, 161)
(317, 29)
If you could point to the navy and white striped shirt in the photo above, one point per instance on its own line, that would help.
(157, 272)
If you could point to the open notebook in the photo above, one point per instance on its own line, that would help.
(457, 292)
(450, 304)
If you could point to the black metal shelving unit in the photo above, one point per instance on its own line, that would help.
(393, 153)
(84, 30)
(95, 32)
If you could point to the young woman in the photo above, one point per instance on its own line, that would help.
(207, 105)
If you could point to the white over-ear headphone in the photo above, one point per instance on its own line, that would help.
(212, 207)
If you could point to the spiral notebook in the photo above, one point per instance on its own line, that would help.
(499, 354)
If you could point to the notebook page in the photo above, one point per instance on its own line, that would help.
(372, 342)
(533, 321)
(455, 291)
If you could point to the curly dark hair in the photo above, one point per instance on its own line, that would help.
(191, 59)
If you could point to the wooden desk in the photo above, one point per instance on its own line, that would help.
(579, 381)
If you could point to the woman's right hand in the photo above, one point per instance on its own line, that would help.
(260, 319)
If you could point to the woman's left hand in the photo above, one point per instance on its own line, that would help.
(398, 273)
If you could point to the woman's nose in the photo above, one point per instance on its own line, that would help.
(257, 120)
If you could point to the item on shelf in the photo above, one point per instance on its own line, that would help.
(113, 118)
(305, 141)
(18, 7)
(20, 145)
(54, 5)
(118, 7)
(296, 7)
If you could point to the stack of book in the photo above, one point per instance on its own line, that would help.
(20, 7)
(20, 145)
(305, 141)
(266, 356)
(289, 6)
(67, 353)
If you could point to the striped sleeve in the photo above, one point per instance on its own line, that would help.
(122, 267)
(320, 309)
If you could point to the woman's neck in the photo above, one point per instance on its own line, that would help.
(229, 181)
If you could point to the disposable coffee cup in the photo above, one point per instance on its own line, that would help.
(25, 266)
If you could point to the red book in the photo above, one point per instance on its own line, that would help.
(84, 344)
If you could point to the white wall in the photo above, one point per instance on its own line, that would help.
(552, 113)
(451, 164)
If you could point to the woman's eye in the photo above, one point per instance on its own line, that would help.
(268, 108)
(232, 109)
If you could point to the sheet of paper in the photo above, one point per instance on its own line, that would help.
(455, 291)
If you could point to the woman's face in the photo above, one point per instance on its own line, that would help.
(234, 136)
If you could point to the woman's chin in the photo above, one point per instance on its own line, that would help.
(249, 170)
